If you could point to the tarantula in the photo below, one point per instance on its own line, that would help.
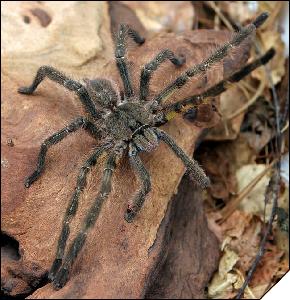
(127, 123)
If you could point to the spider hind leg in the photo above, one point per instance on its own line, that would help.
(62, 275)
(144, 177)
(196, 173)
(72, 208)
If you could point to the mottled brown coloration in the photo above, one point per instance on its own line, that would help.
(118, 257)
(191, 254)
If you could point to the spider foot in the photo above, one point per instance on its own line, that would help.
(25, 90)
(27, 183)
(29, 180)
(61, 278)
(130, 215)
(201, 181)
(181, 60)
(55, 267)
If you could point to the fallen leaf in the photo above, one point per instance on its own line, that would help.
(259, 124)
(221, 162)
(121, 263)
(272, 39)
(254, 202)
(223, 280)
(274, 9)
(239, 11)
(241, 233)
(157, 16)
(268, 267)
(229, 128)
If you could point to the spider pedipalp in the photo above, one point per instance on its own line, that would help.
(127, 122)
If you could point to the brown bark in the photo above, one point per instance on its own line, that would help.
(118, 258)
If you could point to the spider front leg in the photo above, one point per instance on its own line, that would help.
(218, 88)
(56, 138)
(72, 85)
(123, 32)
(153, 66)
(216, 57)
(73, 206)
(144, 176)
(195, 171)
(62, 275)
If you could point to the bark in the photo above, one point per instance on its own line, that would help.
(118, 259)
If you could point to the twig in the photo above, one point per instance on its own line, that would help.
(230, 208)
(272, 188)
(250, 292)
(250, 102)
(219, 13)
(248, 86)
(285, 127)
(244, 90)
(284, 120)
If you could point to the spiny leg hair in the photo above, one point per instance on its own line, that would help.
(195, 171)
(72, 85)
(123, 32)
(101, 101)
(221, 86)
(73, 206)
(153, 66)
(144, 177)
(78, 123)
(216, 57)
(62, 275)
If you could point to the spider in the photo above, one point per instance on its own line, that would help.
(127, 125)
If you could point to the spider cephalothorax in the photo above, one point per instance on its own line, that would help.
(128, 124)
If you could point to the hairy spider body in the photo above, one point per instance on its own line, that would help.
(128, 124)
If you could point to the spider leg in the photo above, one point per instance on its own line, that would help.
(56, 138)
(62, 275)
(218, 88)
(123, 32)
(152, 66)
(216, 57)
(144, 176)
(72, 85)
(195, 171)
(72, 208)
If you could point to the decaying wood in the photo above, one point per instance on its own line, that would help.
(118, 259)
(191, 256)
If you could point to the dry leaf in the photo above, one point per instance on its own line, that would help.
(259, 124)
(222, 283)
(156, 16)
(221, 162)
(274, 9)
(34, 216)
(254, 202)
(272, 39)
(269, 266)
(218, 161)
(239, 11)
(229, 128)
(241, 235)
